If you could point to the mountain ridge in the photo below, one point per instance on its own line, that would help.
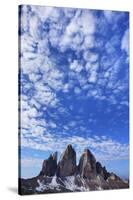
(66, 176)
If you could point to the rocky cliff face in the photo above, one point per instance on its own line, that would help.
(66, 176)
(67, 163)
(102, 171)
(49, 166)
(87, 165)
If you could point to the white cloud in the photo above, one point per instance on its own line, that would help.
(43, 47)
(66, 87)
(90, 57)
(43, 12)
(34, 77)
(24, 19)
(72, 26)
(82, 81)
(38, 131)
(72, 123)
(54, 78)
(109, 48)
(109, 15)
(30, 125)
(29, 162)
(77, 90)
(93, 77)
(79, 30)
(52, 124)
(88, 41)
(54, 37)
(91, 69)
(87, 22)
(69, 13)
(125, 42)
(92, 93)
(34, 24)
(75, 66)
(44, 95)
(103, 148)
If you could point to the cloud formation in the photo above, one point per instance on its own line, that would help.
(74, 71)
(104, 148)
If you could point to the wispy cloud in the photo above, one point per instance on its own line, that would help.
(29, 162)
(103, 147)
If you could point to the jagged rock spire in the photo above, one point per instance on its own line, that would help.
(99, 168)
(102, 170)
(54, 155)
(49, 166)
(87, 165)
(67, 163)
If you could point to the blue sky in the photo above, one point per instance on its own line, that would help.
(74, 85)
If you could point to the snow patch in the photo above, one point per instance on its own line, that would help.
(99, 188)
(70, 184)
(41, 186)
(52, 185)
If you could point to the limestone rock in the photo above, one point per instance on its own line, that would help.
(87, 165)
(102, 171)
(49, 166)
(67, 163)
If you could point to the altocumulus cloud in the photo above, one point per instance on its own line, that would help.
(70, 54)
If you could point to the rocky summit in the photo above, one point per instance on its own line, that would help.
(67, 163)
(87, 165)
(66, 176)
(49, 166)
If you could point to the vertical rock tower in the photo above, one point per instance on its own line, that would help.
(49, 166)
(67, 163)
(87, 165)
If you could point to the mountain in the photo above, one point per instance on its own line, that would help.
(66, 176)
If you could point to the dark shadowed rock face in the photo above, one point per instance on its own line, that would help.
(49, 166)
(87, 165)
(105, 173)
(67, 163)
(99, 168)
(102, 170)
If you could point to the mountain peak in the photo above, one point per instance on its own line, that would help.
(49, 166)
(87, 164)
(69, 146)
(67, 163)
(54, 155)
